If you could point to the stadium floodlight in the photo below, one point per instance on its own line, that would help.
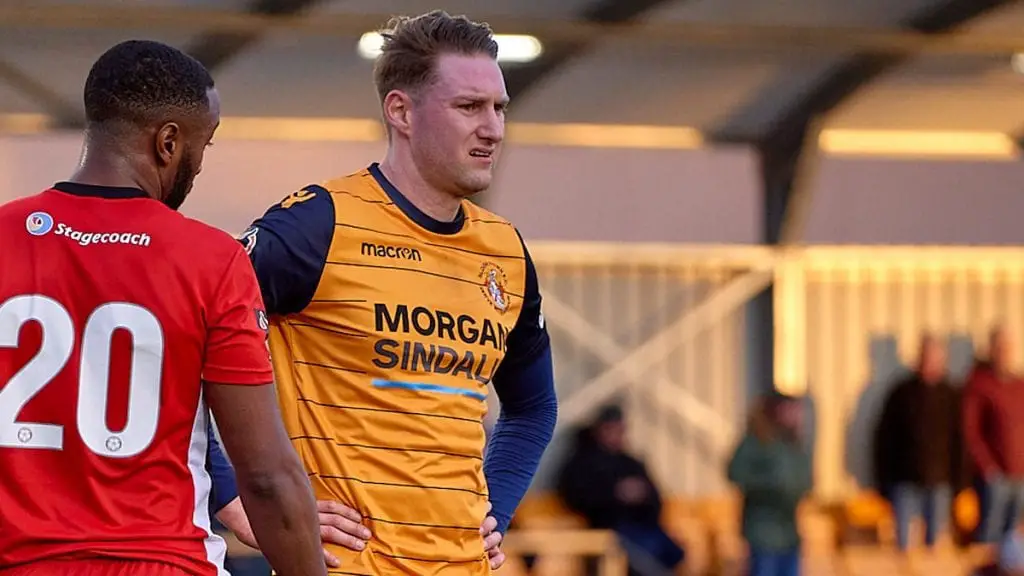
(1017, 62)
(511, 47)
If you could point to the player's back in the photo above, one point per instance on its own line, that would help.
(104, 298)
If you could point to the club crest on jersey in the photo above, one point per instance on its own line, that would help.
(261, 320)
(39, 223)
(248, 239)
(296, 197)
(494, 283)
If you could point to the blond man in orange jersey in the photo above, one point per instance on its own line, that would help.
(394, 302)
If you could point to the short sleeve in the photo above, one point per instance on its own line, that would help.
(236, 329)
(288, 247)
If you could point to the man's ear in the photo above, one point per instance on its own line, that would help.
(167, 142)
(398, 111)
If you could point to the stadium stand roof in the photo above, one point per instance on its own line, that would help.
(736, 70)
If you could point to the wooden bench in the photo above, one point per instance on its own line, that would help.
(602, 544)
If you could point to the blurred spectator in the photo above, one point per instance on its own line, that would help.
(918, 462)
(772, 470)
(994, 432)
(612, 490)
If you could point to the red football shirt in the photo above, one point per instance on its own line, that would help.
(113, 308)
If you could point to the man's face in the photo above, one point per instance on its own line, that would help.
(612, 435)
(458, 124)
(790, 415)
(196, 136)
(999, 350)
(933, 359)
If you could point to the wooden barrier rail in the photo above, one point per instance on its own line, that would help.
(600, 543)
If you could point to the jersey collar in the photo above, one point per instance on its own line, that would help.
(414, 213)
(109, 192)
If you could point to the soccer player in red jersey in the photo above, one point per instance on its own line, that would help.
(120, 321)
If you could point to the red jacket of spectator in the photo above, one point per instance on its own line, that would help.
(993, 421)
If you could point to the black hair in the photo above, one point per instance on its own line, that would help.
(139, 82)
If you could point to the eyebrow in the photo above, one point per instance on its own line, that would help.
(503, 101)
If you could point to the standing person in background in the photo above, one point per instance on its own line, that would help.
(917, 445)
(772, 471)
(994, 433)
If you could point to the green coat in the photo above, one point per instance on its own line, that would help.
(773, 477)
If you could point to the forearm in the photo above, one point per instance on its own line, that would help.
(233, 517)
(515, 451)
(282, 513)
(527, 422)
(974, 437)
(225, 489)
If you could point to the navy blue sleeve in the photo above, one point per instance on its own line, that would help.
(225, 488)
(288, 247)
(525, 385)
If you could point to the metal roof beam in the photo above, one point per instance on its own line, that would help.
(789, 152)
(520, 79)
(789, 138)
(933, 27)
(51, 102)
(215, 48)
(668, 34)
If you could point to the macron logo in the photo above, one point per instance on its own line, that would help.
(41, 224)
(386, 251)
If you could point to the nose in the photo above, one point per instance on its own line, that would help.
(492, 128)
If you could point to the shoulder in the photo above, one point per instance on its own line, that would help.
(12, 206)
(308, 198)
(497, 228)
(352, 182)
(206, 244)
(207, 237)
(308, 211)
(749, 443)
(20, 209)
(477, 214)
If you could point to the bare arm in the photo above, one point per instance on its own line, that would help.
(233, 517)
(339, 525)
(973, 409)
(272, 484)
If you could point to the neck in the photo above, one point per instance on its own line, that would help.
(104, 164)
(401, 171)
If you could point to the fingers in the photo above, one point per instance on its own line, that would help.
(345, 525)
(497, 558)
(488, 526)
(492, 541)
(334, 535)
(331, 560)
(338, 509)
(340, 524)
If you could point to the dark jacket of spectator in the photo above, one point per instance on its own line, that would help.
(592, 479)
(993, 425)
(918, 438)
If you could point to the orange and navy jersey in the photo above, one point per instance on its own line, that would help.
(386, 328)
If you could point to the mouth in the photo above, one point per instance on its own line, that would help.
(482, 154)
